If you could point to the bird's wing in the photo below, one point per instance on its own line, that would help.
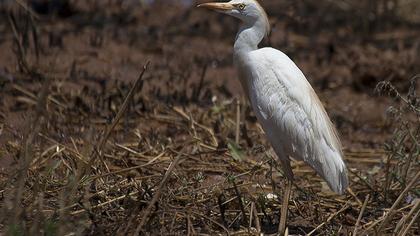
(293, 116)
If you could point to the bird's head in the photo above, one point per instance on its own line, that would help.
(248, 11)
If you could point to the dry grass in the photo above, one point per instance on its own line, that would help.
(113, 157)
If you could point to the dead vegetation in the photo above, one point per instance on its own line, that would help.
(88, 149)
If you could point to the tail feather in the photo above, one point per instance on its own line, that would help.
(334, 173)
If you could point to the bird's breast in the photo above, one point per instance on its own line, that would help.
(262, 89)
(267, 98)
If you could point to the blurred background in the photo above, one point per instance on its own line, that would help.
(344, 48)
(81, 57)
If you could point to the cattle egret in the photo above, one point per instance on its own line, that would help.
(288, 109)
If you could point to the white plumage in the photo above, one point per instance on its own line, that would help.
(291, 114)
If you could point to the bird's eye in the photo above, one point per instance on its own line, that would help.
(241, 6)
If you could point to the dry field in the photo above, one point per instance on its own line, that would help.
(126, 117)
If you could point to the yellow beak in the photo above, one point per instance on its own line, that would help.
(218, 6)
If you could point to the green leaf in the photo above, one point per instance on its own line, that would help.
(235, 151)
(51, 227)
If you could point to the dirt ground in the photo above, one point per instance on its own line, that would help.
(187, 156)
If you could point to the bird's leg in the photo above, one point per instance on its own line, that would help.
(287, 170)
(284, 207)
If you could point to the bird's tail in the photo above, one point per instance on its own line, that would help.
(335, 172)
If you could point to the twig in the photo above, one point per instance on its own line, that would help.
(28, 9)
(241, 204)
(360, 215)
(363, 180)
(404, 219)
(33, 96)
(145, 214)
(97, 151)
(349, 190)
(405, 232)
(207, 129)
(129, 168)
(238, 214)
(191, 230)
(392, 210)
(213, 221)
(251, 215)
(105, 203)
(21, 51)
(256, 218)
(26, 155)
(372, 224)
(196, 94)
(123, 108)
(329, 219)
(238, 121)
(222, 208)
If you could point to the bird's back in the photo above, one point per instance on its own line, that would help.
(292, 115)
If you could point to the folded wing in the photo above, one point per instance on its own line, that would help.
(294, 118)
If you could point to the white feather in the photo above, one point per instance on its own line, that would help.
(284, 102)
(292, 115)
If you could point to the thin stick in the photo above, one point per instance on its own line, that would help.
(238, 121)
(26, 155)
(207, 129)
(28, 9)
(241, 204)
(256, 218)
(197, 93)
(372, 224)
(123, 108)
(97, 152)
(155, 198)
(213, 221)
(105, 203)
(191, 230)
(404, 219)
(354, 195)
(251, 215)
(399, 199)
(22, 60)
(405, 232)
(284, 208)
(129, 168)
(360, 215)
(329, 219)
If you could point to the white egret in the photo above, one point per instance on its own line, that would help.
(288, 109)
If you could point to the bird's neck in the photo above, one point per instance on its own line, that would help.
(247, 40)
(249, 36)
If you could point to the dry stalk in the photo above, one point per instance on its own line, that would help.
(238, 121)
(32, 131)
(359, 218)
(28, 9)
(407, 228)
(405, 218)
(21, 57)
(122, 109)
(162, 185)
(329, 219)
(241, 204)
(207, 129)
(256, 218)
(213, 221)
(97, 152)
(104, 203)
(394, 206)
